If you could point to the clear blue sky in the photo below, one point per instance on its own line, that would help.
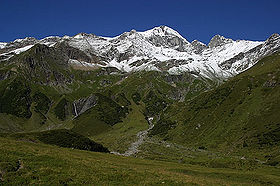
(194, 19)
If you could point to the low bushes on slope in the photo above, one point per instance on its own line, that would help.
(61, 138)
(15, 99)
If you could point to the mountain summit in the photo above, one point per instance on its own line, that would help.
(219, 40)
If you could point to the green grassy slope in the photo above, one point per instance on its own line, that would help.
(119, 137)
(23, 163)
(242, 115)
(102, 116)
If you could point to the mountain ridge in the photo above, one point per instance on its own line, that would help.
(111, 37)
(159, 49)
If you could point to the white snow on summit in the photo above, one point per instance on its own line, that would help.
(162, 31)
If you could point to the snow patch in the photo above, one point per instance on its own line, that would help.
(23, 49)
(81, 63)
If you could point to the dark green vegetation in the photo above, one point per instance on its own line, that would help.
(102, 116)
(42, 102)
(162, 127)
(154, 104)
(15, 99)
(61, 138)
(208, 130)
(60, 109)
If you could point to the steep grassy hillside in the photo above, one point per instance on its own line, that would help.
(23, 163)
(242, 115)
(101, 116)
(16, 99)
(120, 136)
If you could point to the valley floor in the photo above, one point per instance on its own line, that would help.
(26, 162)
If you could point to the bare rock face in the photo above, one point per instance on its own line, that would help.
(271, 45)
(44, 65)
(219, 40)
(72, 53)
(82, 105)
(198, 46)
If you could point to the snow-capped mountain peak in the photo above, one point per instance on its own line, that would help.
(27, 39)
(82, 35)
(160, 48)
(164, 36)
(162, 31)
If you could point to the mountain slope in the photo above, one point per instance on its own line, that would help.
(240, 115)
(94, 85)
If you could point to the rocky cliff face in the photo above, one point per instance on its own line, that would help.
(198, 46)
(83, 104)
(219, 40)
(44, 65)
